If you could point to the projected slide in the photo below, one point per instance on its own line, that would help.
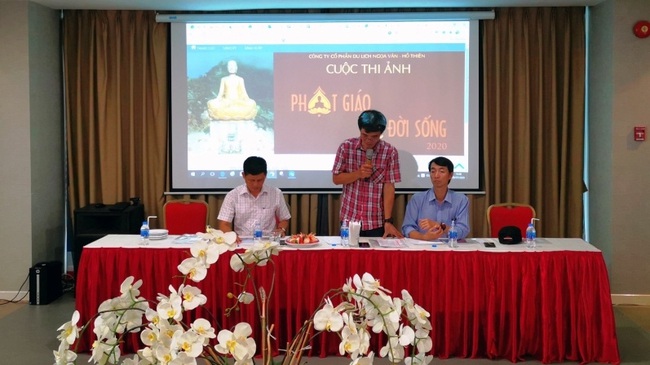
(291, 92)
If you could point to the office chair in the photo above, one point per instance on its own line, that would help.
(509, 214)
(185, 216)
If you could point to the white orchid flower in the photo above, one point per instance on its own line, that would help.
(364, 340)
(132, 320)
(364, 360)
(69, 330)
(373, 315)
(237, 343)
(103, 328)
(192, 297)
(406, 335)
(328, 318)
(64, 356)
(420, 318)
(129, 289)
(208, 254)
(170, 309)
(105, 352)
(182, 358)
(227, 241)
(239, 261)
(348, 288)
(163, 355)
(135, 360)
(188, 342)
(203, 328)
(261, 252)
(423, 342)
(167, 331)
(350, 341)
(393, 350)
(147, 355)
(245, 297)
(194, 269)
(149, 336)
(367, 283)
(152, 316)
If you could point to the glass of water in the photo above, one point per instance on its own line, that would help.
(274, 236)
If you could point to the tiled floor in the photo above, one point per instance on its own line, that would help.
(29, 336)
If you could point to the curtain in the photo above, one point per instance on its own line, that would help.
(533, 114)
(533, 98)
(115, 75)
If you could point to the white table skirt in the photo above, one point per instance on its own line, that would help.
(333, 243)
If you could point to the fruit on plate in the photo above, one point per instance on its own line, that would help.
(302, 238)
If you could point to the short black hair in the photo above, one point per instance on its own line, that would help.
(442, 161)
(372, 121)
(254, 165)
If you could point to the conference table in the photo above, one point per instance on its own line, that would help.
(551, 303)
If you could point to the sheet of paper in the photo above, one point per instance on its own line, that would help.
(187, 238)
(391, 242)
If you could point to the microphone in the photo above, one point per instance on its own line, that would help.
(369, 153)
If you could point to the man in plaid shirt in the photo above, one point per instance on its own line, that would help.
(368, 169)
(252, 202)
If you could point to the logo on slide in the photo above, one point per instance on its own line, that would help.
(319, 104)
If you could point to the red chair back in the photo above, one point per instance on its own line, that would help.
(509, 214)
(185, 216)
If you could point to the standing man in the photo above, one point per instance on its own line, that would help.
(253, 201)
(368, 169)
(429, 213)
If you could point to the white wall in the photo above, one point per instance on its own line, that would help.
(46, 134)
(619, 166)
(31, 152)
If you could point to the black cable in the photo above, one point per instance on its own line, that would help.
(68, 283)
(13, 300)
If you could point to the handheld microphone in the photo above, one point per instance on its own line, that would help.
(369, 153)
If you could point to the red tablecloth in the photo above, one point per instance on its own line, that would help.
(551, 306)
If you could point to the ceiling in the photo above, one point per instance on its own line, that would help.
(217, 5)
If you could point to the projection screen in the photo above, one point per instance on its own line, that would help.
(289, 88)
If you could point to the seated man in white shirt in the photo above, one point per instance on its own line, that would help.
(254, 201)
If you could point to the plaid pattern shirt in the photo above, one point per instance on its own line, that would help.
(244, 209)
(363, 199)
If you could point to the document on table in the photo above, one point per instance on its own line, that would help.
(391, 242)
(187, 238)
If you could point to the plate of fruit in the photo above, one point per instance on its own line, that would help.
(302, 240)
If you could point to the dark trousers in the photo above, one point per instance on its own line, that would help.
(377, 232)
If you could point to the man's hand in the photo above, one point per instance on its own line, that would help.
(434, 230)
(391, 231)
(280, 232)
(365, 171)
(429, 225)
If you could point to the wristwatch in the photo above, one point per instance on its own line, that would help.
(388, 220)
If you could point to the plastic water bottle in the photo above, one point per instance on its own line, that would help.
(345, 233)
(144, 233)
(257, 236)
(453, 235)
(531, 236)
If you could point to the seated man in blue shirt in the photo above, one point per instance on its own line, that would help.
(429, 213)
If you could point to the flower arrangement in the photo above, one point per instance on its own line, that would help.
(354, 311)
